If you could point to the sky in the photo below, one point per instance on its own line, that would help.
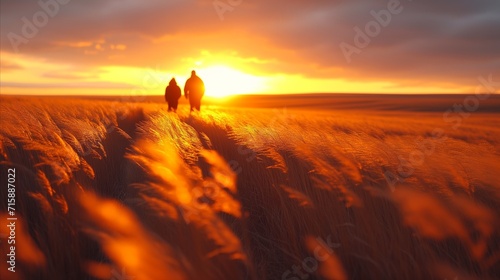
(134, 47)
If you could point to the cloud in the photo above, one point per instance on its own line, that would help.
(6, 65)
(446, 42)
(90, 85)
(70, 76)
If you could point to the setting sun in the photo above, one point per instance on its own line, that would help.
(222, 81)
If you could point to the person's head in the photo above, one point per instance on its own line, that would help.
(173, 81)
(193, 73)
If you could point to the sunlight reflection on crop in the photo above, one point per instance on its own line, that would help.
(157, 195)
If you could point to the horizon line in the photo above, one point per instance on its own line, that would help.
(241, 94)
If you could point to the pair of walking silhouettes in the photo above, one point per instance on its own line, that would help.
(193, 90)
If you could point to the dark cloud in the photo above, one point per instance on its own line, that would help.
(446, 41)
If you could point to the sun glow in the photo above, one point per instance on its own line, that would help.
(222, 81)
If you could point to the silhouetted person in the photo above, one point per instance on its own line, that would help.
(172, 95)
(194, 90)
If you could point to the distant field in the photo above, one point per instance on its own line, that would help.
(371, 102)
(254, 187)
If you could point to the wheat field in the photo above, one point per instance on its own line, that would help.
(109, 190)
